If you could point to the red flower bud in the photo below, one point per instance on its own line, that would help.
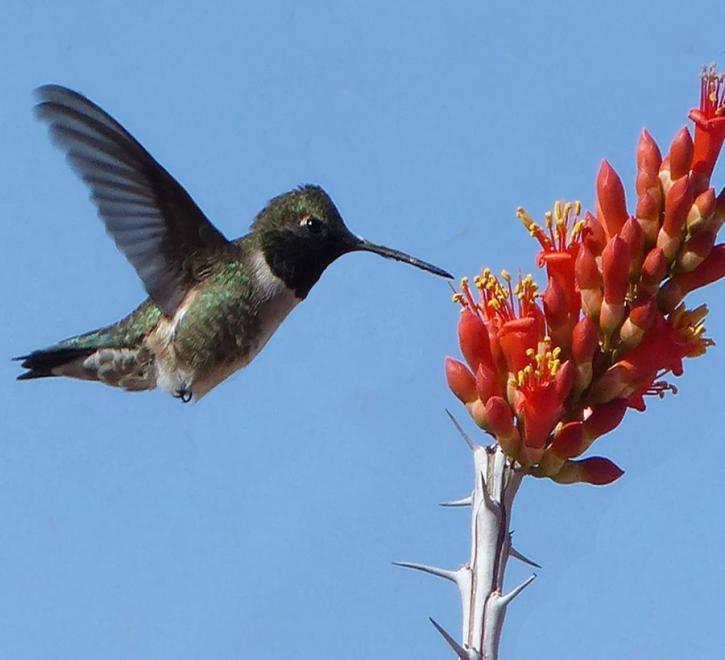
(589, 281)
(680, 154)
(701, 210)
(499, 422)
(557, 314)
(584, 342)
(648, 161)
(653, 271)
(695, 250)
(473, 339)
(604, 418)
(642, 316)
(648, 216)
(615, 273)
(595, 470)
(595, 236)
(568, 441)
(677, 206)
(610, 199)
(460, 380)
(487, 384)
(564, 380)
(615, 270)
(633, 236)
(711, 269)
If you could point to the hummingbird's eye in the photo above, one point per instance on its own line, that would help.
(312, 224)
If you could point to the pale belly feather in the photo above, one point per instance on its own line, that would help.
(276, 301)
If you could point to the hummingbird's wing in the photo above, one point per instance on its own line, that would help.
(149, 215)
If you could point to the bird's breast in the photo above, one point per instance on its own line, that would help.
(272, 302)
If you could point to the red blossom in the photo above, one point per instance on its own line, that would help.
(557, 370)
(709, 119)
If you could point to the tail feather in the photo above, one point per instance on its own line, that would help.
(41, 363)
(129, 368)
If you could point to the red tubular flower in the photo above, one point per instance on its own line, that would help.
(661, 350)
(555, 371)
(559, 246)
(540, 391)
(709, 120)
(611, 207)
(516, 338)
(596, 470)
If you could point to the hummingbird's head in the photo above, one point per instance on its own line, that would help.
(301, 233)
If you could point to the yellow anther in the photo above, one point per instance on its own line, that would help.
(524, 217)
(457, 298)
(530, 352)
(505, 276)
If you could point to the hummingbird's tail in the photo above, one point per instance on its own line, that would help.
(43, 363)
(114, 355)
(129, 368)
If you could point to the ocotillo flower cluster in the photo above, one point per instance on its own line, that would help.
(547, 373)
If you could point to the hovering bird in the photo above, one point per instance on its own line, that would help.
(213, 303)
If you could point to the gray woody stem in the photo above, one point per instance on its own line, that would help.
(480, 581)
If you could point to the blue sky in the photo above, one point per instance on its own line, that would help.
(264, 520)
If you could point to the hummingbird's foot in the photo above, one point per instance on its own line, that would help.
(184, 395)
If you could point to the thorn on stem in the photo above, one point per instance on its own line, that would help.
(459, 650)
(471, 445)
(464, 501)
(507, 598)
(431, 570)
(513, 552)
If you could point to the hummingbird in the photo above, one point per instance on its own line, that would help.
(212, 303)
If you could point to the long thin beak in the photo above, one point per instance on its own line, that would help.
(366, 246)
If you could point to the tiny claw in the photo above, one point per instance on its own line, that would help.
(183, 395)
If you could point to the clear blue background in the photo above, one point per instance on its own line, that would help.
(262, 521)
